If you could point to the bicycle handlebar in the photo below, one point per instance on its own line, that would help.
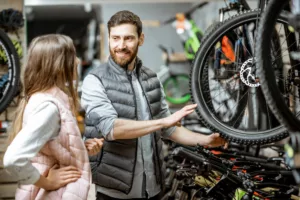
(212, 162)
(252, 159)
(230, 178)
(187, 13)
(209, 157)
(185, 153)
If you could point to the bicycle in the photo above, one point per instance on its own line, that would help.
(282, 103)
(10, 53)
(202, 174)
(228, 93)
(187, 30)
(190, 35)
(174, 84)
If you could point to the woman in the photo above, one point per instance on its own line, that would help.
(46, 151)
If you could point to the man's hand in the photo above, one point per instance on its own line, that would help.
(214, 140)
(175, 118)
(94, 146)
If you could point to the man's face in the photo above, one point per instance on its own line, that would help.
(123, 44)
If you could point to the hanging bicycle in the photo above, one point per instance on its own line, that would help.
(225, 86)
(284, 104)
(175, 85)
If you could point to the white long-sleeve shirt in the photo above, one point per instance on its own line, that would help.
(42, 125)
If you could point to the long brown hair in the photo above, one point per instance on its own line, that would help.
(51, 62)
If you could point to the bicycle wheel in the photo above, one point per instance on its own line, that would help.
(208, 30)
(228, 95)
(285, 106)
(9, 71)
(176, 89)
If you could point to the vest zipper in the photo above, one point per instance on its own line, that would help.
(156, 151)
(136, 140)
(144, 191)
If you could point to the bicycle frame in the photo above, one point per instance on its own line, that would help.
(190, 35)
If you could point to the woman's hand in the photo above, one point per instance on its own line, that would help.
(60, 177)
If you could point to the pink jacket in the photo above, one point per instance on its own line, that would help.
(67, 149)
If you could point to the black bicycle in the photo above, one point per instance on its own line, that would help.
(225, 85)
(10, 52)
(283, 103)
(201, 175)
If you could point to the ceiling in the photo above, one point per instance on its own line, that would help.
(54, 12)
(68, 2)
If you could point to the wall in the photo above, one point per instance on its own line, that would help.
(166, 35)
(210, 13)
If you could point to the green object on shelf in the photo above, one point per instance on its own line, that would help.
(176, 88)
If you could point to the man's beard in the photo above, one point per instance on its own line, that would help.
(123, 62)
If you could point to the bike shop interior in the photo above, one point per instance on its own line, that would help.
(236, 59)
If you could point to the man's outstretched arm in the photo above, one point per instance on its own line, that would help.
(184, 136)
(129, 129)
(105, 118)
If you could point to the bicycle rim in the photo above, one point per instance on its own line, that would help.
(239, 129)
(9, 71)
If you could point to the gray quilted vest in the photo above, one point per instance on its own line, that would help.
(114, 166)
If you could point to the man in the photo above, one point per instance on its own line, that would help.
(125, 104)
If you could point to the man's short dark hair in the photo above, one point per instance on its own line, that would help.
(125, 17)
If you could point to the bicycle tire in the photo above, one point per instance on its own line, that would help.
(11, 87)
(207, 32)
(173, 98)
(206, 116)
(267, 76)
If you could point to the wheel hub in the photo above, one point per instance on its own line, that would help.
(247, 73)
